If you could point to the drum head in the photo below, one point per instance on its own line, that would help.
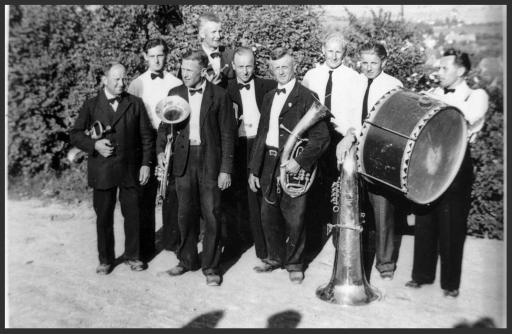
(437, 156)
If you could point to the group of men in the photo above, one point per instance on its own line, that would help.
(224, 187)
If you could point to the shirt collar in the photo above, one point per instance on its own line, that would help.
(203, 85)
(208, 50)
(288, 86)
(109, 96)
(250, 82)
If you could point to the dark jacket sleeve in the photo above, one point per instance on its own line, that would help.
(227, 132)
(319, 140)
(256, 161)
(146, 134)
(77, 134)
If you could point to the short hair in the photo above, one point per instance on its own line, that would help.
(108, 66)
(206, 17)
(243, 50)
(155, 42)
(279, 53)
(198, 55)
(337, 36)
(461, 58)
(373, 47)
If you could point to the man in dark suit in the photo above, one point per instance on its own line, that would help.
(120, 159)
(283, 216)
(246, 92)
(202, 165)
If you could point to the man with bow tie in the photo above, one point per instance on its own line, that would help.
(152, 86)
(202, 167)
(283, 216)
(120, 159)
(246, 92)
(441, 227)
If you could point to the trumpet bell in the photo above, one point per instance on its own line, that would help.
(172, 109)
(75, 155)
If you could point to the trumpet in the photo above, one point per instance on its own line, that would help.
(96, 131)
(171, 110)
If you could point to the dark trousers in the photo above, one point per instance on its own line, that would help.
(170, 228)
(441, 229)
(147, 217)
(198, 196)
(104, 203)
(282, 221)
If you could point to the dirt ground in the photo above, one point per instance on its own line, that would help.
(51, 283)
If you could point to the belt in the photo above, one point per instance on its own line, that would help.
(272, 151)
(194, 142)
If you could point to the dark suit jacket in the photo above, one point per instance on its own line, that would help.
(297, 104)
(217, 132)
(261, 87)
(132, 137)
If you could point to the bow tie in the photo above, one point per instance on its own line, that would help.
(114, 99)
(193, 91)
(449, 90)
(215, 54)
(242, 86)
(279, 91)
(159, 75)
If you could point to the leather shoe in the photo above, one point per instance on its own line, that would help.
(104, 269)
(136, 265)
(387, 275)
(174, 271)
(451, 293)
(213, 280)
(413, 284)
(266, 268)
(296, 277)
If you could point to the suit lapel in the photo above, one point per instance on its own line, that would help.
(104, 113)
(258, 89)
(182, 92)
(291, 100)
(205, 103)
(121, 108)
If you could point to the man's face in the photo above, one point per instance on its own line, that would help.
(115, 80)
(191, 72)
(449, 72)
(156, 58)
(333, 52)
(371, 64)
(283, 69)
(211, 34)
(244, 66)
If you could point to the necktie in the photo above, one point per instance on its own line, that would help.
(449, 90)
(328, 90)
(193, 91)
(157, 75)
(242, 86)
(114, 99)
(365, 101)
(214, 55)
(282, 90)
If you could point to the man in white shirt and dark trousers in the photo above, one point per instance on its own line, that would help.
(152, 86)
(246, 92)
(441, 227)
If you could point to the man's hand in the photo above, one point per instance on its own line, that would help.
(224, 181)
(104, 147)
(343, 147)
(254, 182)
(160, 168)
(144, 175)
(291, 166)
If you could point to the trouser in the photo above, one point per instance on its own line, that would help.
(441, 229)
(282, 221)
(147, 217)
(170, 228)
(104, 202)
(198, 196)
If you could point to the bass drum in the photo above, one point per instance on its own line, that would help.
(413, 143)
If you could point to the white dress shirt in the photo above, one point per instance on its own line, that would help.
(195, 111)
(110, 96)
(345, 95)
(215, 62)
(277, 105)
(251, 115)
(473, 103)
(152, 91)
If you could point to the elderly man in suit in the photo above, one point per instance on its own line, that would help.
(283, 216)
(121, 159)
(246, 92)
(203, 163)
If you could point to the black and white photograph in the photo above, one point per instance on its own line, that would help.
(255, 166)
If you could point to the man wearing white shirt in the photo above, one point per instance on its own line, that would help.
(283, 216)
(152, 86)
(441, 227)
(246, 92)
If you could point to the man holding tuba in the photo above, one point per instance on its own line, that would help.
(283, 215)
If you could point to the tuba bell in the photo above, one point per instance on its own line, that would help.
(297, 184)
(170, 110)
(348, 284)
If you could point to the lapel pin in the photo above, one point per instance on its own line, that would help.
(289, 104)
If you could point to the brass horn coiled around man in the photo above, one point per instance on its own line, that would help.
(171, 110)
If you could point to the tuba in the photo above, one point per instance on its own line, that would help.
(297, 184)
(170, 110)
(348, 285)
